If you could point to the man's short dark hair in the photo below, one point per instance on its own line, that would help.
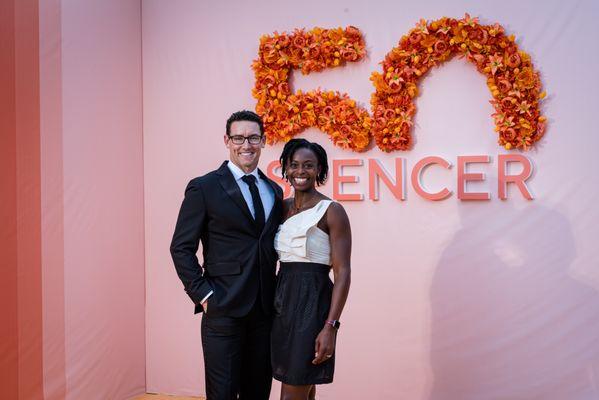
(321, 156)
(245, 115)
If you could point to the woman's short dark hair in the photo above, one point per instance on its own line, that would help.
(244, 115)
(321, 156)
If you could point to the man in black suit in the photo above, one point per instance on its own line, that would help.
(234, 211)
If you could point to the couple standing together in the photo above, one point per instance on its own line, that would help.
(257, 325)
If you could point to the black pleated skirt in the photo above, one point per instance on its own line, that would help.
(302, 303)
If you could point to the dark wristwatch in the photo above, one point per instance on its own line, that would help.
(334, 323)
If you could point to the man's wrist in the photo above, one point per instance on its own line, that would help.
(205, 299)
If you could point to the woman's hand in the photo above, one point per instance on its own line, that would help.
(325, 344)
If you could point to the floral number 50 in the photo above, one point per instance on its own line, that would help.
(511, 78)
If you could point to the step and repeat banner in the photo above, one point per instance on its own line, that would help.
(461, 141)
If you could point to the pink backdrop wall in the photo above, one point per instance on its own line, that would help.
(72, 223)
(72, 216)
(103, 194)
(52, 202)
(450, 299)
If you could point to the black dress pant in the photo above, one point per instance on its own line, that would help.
(237, 356)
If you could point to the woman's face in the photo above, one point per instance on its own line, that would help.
(302, 170)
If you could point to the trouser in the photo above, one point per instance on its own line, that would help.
(237, 356)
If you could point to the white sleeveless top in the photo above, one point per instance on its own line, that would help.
(300, 240)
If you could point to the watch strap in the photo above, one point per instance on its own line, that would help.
(334, 323)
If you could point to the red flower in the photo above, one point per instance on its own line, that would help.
(441, 47)
(504, 85)
(415, 37)
(299, 41)
(349, 54)
(512, 60)
(314, 51)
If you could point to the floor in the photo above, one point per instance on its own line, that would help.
(164, 397)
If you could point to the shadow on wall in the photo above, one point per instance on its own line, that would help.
(508, 322)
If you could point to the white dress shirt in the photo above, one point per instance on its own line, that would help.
(266, 194)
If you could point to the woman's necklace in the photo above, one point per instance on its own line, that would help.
(304, 206)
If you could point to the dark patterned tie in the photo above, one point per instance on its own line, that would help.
(258, 207)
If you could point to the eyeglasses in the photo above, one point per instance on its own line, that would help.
(252, 139)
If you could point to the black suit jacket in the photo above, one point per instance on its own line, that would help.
(238, 261)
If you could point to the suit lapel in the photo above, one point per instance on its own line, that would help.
(227, 181)
(276, 207)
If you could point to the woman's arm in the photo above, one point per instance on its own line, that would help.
(340, 238)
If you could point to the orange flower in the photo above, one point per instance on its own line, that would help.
(421, 27)
(504, 85)
(524, 107)
(405, 120)
(507, 102)
(389, 114)
(283, 87)
(496, 30)
(299, 41)
(353, 33)
(495, 63)
(441, 46)
(395, 85)
(335, 34)
(515, 93)
(283, 41)
(479, 59)
(444, 29)
(428, 41)
(415, 37)
(270, 56)
(467, 20)
(479, 35)
(349, 54)
(525, 78)
(314, 51)
(509, 134)
(508, 122)
(512, 60)
(328, 111)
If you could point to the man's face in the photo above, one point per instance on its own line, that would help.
(245, 155)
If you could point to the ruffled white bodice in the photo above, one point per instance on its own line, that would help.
(300, 240)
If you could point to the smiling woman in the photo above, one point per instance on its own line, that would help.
(305, 163)
(314, 238)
